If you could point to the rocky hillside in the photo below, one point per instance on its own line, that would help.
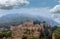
(29, 30)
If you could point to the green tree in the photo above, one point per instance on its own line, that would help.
(33, 38)
(1, 35)
(57, 33)
(7, 34)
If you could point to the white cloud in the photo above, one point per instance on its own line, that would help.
(56, 17)
(56, 9)
(57, 20)
(36, 11)
(56, 12)
(9, 4)
(44, 12)
(32, 11)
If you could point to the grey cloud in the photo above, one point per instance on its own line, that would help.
(56, 9)
(10, 4)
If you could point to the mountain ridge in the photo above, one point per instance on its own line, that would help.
(13, 18)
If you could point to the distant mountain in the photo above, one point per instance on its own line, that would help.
(19, 17)
(13, 18)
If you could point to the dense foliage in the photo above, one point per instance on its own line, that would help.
(33, 38)
(57, 33)
(5, 34)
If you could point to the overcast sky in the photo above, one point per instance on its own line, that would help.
(45, 8)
